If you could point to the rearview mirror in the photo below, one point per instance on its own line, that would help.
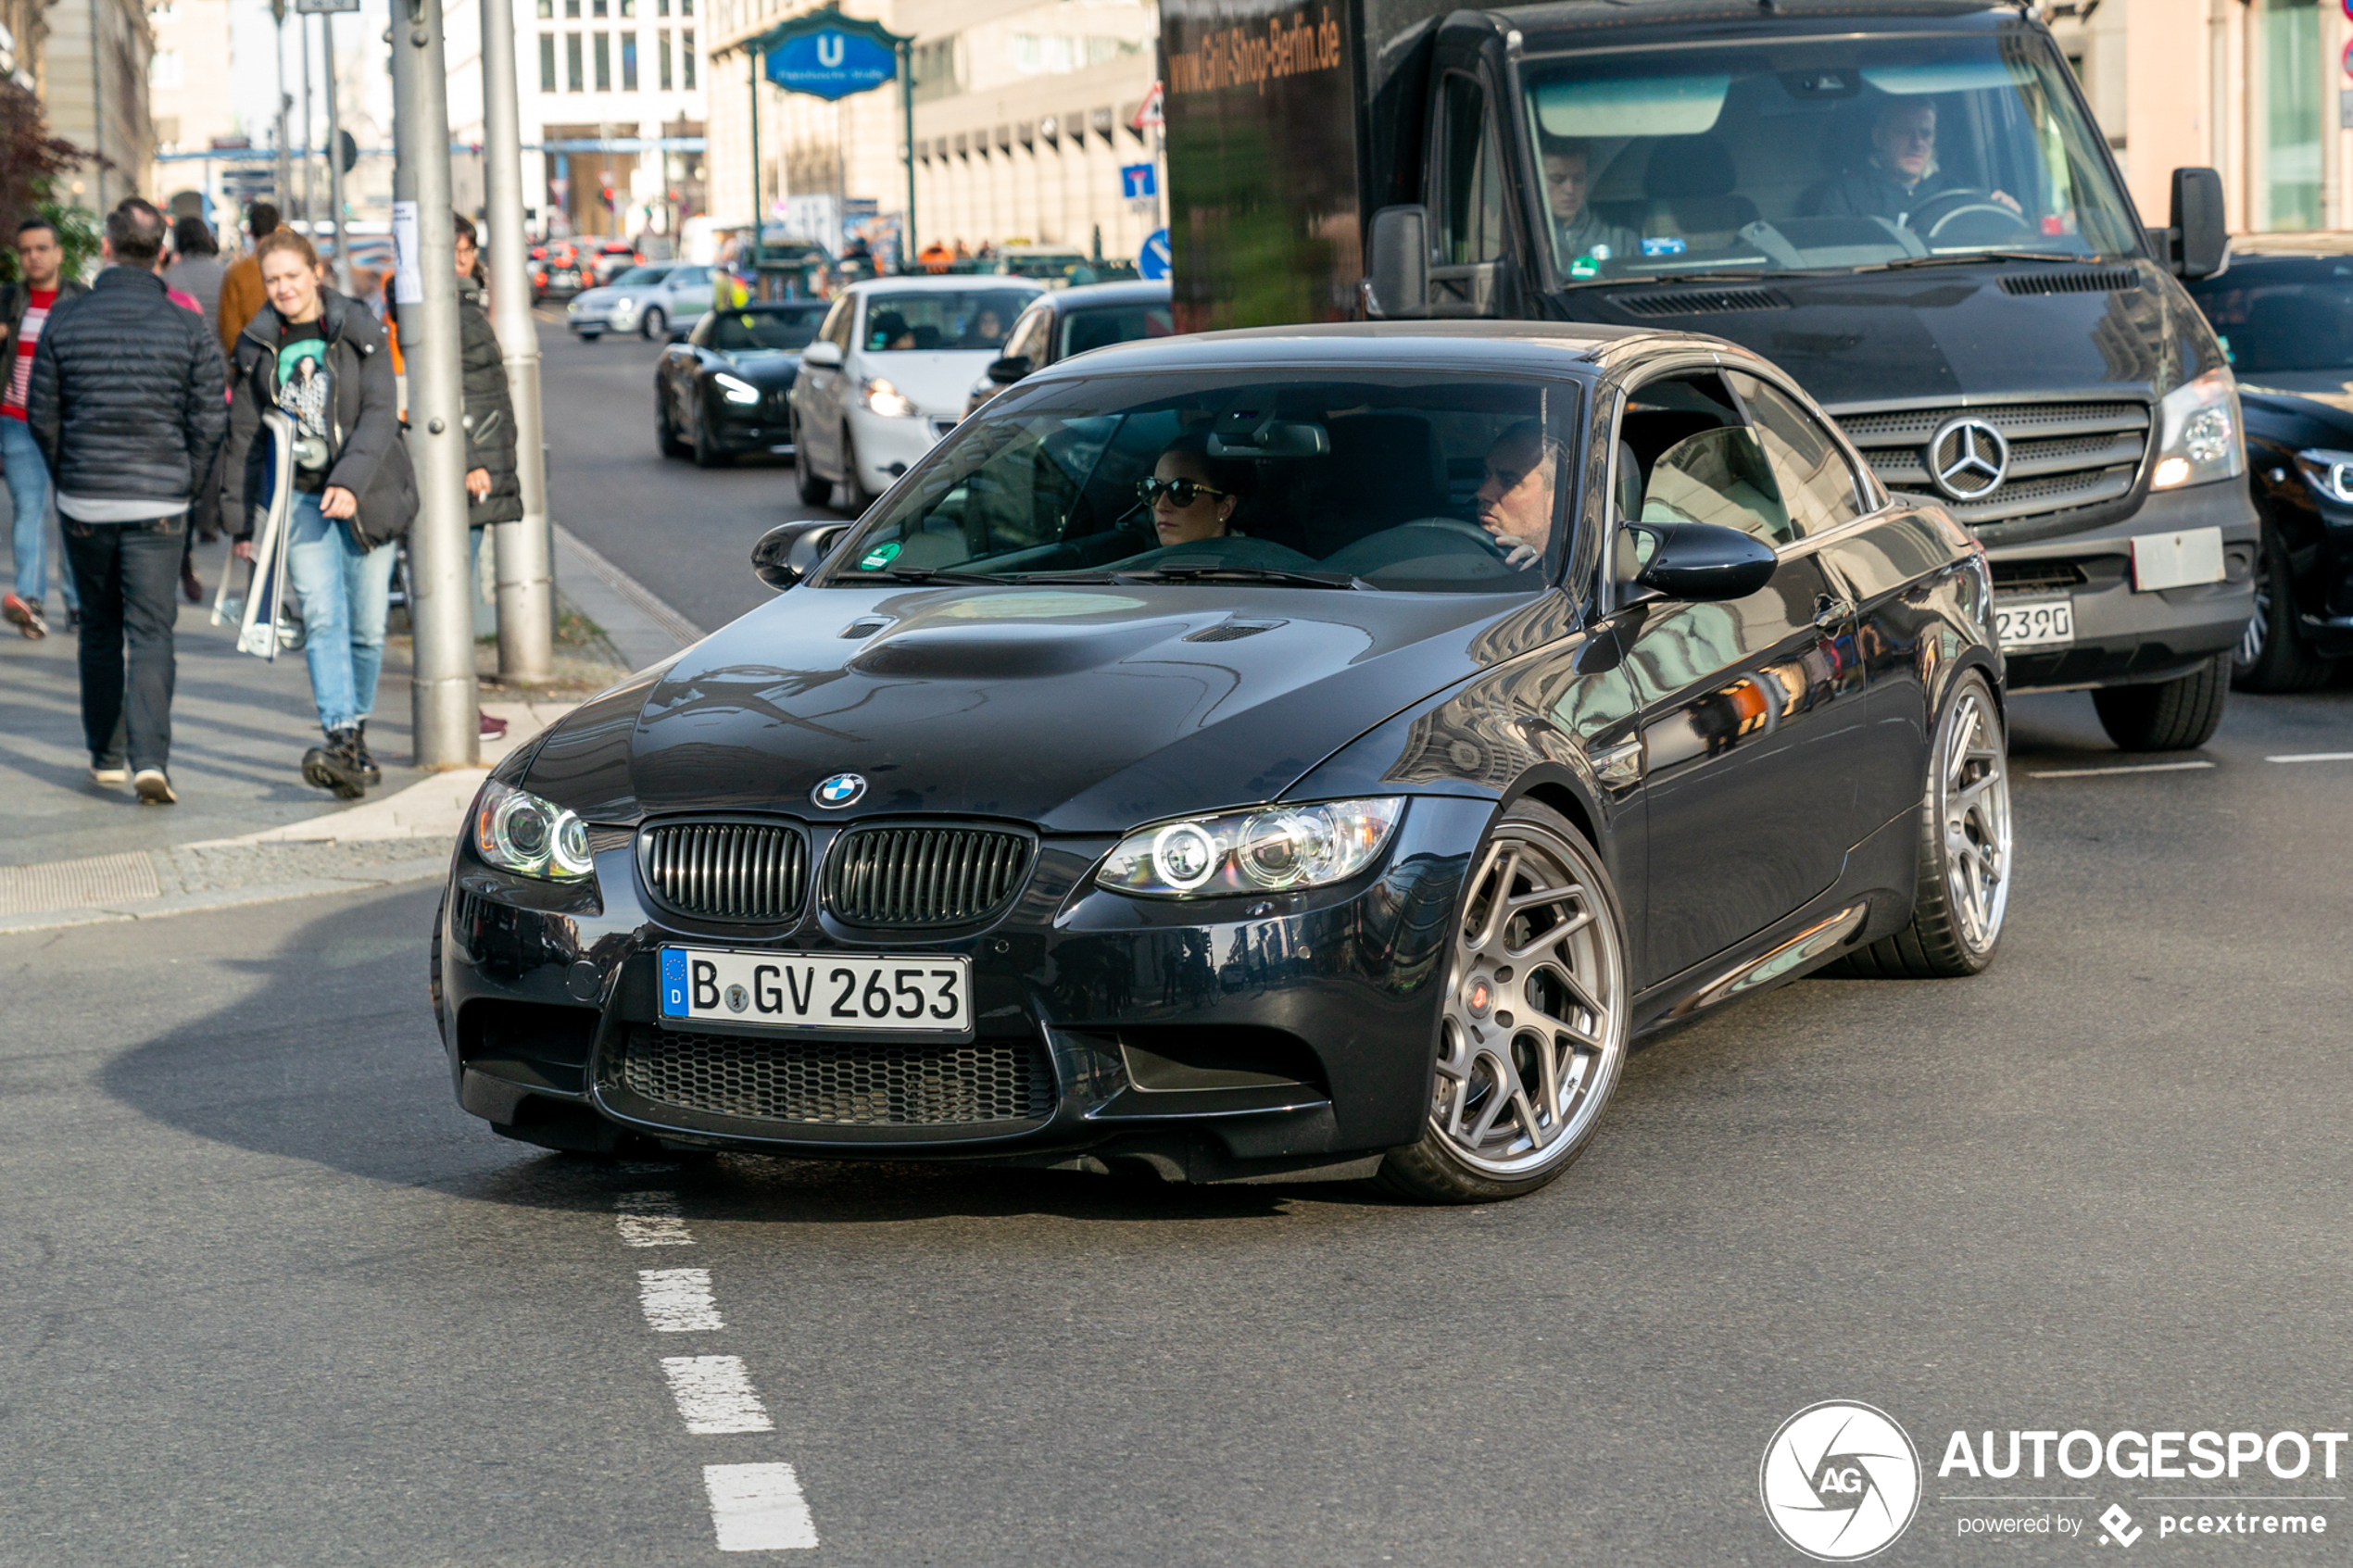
(1698, 562)
(1397, 250)
(1009, 369)
(2200, 240)
(790, 551)
(823, 355)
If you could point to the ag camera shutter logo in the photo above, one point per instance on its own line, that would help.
(1840, 1481)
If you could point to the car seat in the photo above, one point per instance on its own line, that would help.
(1689, 187)
(1383, 470)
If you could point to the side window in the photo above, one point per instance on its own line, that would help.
(1030, 336)
(1811, 472)
(1683, 441)
(836, 328)
(1471, 218)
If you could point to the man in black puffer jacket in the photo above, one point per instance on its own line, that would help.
(126, 404)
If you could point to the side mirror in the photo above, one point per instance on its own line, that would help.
(821, 355)
(1397, 250)
(790, 551)
(1701, 561)
(2201, 244)
(1009, 369)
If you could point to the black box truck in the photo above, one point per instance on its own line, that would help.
(1903, 203)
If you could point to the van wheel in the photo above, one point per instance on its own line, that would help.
(2169, 716)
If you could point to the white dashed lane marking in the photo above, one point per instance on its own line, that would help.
(650, 1219)
(2314, 756)
(2141, 768)
(758, 1508)
(714, 1394)
(678, 1300)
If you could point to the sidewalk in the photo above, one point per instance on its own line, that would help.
(247, 827)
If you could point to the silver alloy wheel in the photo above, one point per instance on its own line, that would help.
(1973, 809)
(2258, 625)
(1534, 1022)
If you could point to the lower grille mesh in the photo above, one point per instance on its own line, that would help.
(841, 1084)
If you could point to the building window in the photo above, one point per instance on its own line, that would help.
(572, 9)
(546, 10)
(686, 54)
(662, 59)
(935, 71)
(572, 62)
(686, 8)
(629, 62)
(596, 8)
(661, 8)
(546, 62)
(628, 7)
(2292, 80)
(604, 62)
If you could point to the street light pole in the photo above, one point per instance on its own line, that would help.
(334, 151)
(441, 601)
(526, 586)
(309, 209)
(284, 182)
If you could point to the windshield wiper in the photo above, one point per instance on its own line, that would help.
(1207, 573)
(924, 574)
(1962, 258)
(1729, 276)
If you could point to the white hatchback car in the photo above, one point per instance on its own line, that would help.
(887, 377)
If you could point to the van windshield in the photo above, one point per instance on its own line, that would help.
(1823, 154)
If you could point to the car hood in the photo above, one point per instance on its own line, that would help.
(588, 299)
(937, 381)
(2331, 389)
(1078, 708)
(765, 366)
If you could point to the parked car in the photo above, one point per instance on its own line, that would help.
(727, 389)
(1563, 683)
(1050, 265)
(656, 299)
(556, 270)
(612, 258)
(888, 375)
(1068, 322)
(2284, 313)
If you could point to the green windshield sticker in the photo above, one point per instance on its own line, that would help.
(1585, 267)
(879, 557)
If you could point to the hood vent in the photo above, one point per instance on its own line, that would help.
(1229, 631)
(2102, 279)
(863, 629)
(1699, 302)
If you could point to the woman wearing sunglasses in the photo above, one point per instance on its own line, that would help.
(1191, 494)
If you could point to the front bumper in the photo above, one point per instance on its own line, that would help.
(2128, 638)
(764, 426)
(889, 447)
(1210, 1041)
(607, 318)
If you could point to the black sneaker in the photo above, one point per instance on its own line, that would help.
(335, 765)
(371, 775)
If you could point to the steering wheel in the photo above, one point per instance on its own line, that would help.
(1940, 212)
(1456, 525)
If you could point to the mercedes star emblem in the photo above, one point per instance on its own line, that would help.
(1967, 459)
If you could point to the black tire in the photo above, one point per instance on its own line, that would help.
(2169, 716)
(707, 456)
(1442, 1167)
(655, 325)
(2271, 656)
(854, 499)
(666, 430)
(432, 965)
(814, 492)
(1957, 918)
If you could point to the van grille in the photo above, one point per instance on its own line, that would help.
(726, 871)
(2088, 280)
(2062, 455)
(920, 876)
(836, 1083)
(1699, 302)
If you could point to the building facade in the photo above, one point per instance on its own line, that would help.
(90, 70)
(1022, 123)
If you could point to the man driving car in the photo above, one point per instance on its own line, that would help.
(1903, 175)
(1516, 501)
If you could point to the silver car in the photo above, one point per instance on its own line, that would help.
(657, 299)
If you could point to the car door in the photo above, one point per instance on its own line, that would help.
(689, 293)
(677, 372)
(818, 392)
(1748, 769)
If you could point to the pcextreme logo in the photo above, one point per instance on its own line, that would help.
(1840, 1481)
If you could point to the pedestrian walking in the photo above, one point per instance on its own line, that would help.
(197, 268)
(25, 307)
(126, 404)
(320, 357)
(241, 290)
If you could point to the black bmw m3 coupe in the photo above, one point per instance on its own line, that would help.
(1302, 751)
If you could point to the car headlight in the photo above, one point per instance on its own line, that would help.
(2199, 438)
(1278, 850)
(886, 399)
(518, 832)
(2329, 473)
(735, 389)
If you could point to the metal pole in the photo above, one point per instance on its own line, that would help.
(907, 111)
(441, 606)
(309, 208)
(752, 58)
(334, 151)
(283, 196)
(526, 586)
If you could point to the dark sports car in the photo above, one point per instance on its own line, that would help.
(724, 390)
(2284, 313)
(1316, 749)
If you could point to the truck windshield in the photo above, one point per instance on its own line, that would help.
(1825, 153)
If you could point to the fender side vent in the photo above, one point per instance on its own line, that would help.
(2100, 280)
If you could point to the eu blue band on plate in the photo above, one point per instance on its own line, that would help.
(673, 983)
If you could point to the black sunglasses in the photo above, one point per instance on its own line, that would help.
(1184, 492)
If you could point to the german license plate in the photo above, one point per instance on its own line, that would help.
(2035, 623)
(828, 992)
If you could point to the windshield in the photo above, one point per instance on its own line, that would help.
(2284, 313)
(1832, 154)
(740, 330)
(1396, 481)
(639, 275)
(1101, 325)
(935, 318)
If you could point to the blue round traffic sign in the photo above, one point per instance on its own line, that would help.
(1154, 260)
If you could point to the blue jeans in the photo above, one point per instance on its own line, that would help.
(344, 593)
(28, 498)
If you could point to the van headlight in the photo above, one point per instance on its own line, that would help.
(2199, 437)
(516, 831)
(1281, 848)
(886, 399)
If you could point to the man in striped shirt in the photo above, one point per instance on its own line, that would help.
(24, 311)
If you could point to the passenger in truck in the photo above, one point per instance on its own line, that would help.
(1902, 174)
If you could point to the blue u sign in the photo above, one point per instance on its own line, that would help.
(831, 63)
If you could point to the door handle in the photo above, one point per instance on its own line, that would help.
(1829, 613)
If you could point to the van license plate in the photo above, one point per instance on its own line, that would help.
(823, 992)
(2035, 623)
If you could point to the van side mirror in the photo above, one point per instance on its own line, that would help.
(1698, 562)
(823, 355)
(1009, 369)
(2197, 243)
(1397, 252)
(790, 551)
